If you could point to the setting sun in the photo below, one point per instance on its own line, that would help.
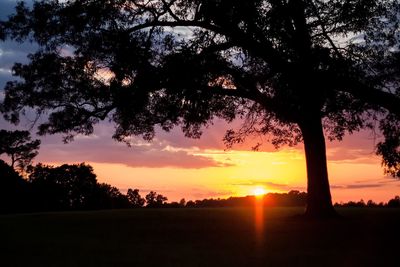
(259, 191)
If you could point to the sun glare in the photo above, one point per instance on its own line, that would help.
(259, 191)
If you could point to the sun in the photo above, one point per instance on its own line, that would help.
(259, 191)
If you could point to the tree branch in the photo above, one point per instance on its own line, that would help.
(263, 50)
(170, 12)
(373, 96)
(324, 31)
(261, 99)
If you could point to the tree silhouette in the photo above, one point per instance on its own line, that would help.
(109, 197)
(14, 191)
(19, 147)
(134, 198)
(288, 69)
(182, 203)
(154, 200)
(394, 202)
(63, 187)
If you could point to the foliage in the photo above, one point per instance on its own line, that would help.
(14, 193)
(64, 187)
(19, 147)
(154, 200)
(109, 197)
(134, 198)
(48, 188)
(394, 203)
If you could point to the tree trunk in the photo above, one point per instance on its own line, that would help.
(12, 161)
(319, 202)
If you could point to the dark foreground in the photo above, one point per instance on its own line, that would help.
(200, 237)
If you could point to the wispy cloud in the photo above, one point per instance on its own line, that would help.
(100, 148)
(268, 184)
(357, 186)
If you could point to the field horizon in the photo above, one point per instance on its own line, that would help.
(200, 237)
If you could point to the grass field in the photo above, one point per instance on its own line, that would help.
(200, 237)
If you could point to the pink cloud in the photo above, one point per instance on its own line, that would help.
(101, 148)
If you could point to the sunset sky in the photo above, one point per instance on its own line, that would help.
(195, 169)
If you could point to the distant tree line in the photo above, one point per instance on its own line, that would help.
(291, 199)
(75, 187)
(67, 187)
(392, 203)
(28, 188)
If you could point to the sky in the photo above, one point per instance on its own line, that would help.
(178, 167)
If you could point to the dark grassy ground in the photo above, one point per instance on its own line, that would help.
(200, 237)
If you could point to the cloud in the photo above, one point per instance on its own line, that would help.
(344, 154)
(11, 51)
(361, 186)
(269, 185)
(100, 148)
(16, 50)
(358, 148)
(356, 186)
(6, 8)
(202, 193)
(132, 157)
(368, 183)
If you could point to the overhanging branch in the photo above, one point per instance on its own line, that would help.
(264, 49)
(373, 96)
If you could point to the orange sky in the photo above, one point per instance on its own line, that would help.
(195, 169)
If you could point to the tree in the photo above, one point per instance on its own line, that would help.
(19, 147)
(160, 200)
(154, 200)
(134, 198)
(287, 68)
(109, 197)
(394, 202)
(64, 187)
(14, 190)
(182, 203)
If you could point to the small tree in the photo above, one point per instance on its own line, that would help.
(19, 147)
(134, 198)
(182, 203)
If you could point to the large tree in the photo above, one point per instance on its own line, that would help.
(292, 70)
